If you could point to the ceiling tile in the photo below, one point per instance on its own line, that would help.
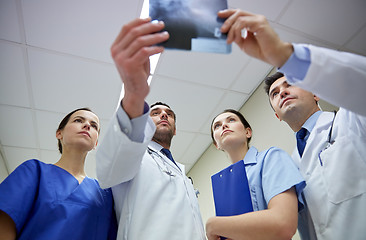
(251, 76)
(17, 127)
(84, 28)
(358, 43)
(210, 69)
(270, 9)
(199, 144)
(9, 21)
(233, 100)
(63, 83)
(180, 143)
(16, 156)
(47, 123)
(292, 36)
(13, 82)
(68, 47)
(191, 102)
(334, 21)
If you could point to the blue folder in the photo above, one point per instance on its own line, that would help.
(231, 191)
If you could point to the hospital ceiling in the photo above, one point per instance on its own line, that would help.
(55, 57)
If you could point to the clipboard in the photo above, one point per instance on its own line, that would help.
(231, 191)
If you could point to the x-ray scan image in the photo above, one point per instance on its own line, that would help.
(192, 24)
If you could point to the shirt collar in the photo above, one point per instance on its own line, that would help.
(251, 156)
(310, 122)
(155, 146)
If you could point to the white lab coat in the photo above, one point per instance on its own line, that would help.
(153, 199)
(336, 187)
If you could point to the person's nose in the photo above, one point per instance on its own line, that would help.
(225, 125)
(87, 125)
(164, 115)
(284, 92)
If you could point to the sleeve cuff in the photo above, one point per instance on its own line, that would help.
(133, 128)
(297, 65)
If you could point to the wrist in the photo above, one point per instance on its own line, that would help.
(210, 225)
(284, 53)
(133, 106)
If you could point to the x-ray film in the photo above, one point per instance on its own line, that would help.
(193, 25)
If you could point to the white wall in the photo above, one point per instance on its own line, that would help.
(267, 131)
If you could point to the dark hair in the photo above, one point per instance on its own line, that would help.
(240, 116)
(65, 121)
(164, 104)
(268, 81)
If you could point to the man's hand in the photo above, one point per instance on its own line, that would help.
(261, 41)
(131, 51)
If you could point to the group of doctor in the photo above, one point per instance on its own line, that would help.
(153, 198)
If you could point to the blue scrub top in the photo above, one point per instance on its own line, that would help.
(47, 202)
(270, 173)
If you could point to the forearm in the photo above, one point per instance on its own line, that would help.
(281, 53)
(279, 221)
(7, 227)
(255, 225)
(118, 157)
(133, 104)
(131, 51)
(337, 77)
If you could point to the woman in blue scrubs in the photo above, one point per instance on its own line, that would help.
(58, 201)
(274, 183)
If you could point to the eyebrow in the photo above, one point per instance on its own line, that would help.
(270, 93)
(83, 118)
(155, 109)
(228, 117)
(276, 87)
(79, 117)
(168, 110)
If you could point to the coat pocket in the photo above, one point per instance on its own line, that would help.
(344, 169)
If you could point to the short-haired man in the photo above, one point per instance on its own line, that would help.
(153, 197)
(332, 161)
(331, 151)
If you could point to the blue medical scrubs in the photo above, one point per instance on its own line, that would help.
(47, 202)
(270, 173)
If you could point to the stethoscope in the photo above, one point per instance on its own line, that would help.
(329, 142)
(156, 156)
(169, 172)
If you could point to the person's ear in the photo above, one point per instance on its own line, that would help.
(59, 134)
(217, 147)
(316, 98)
(249, 132)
